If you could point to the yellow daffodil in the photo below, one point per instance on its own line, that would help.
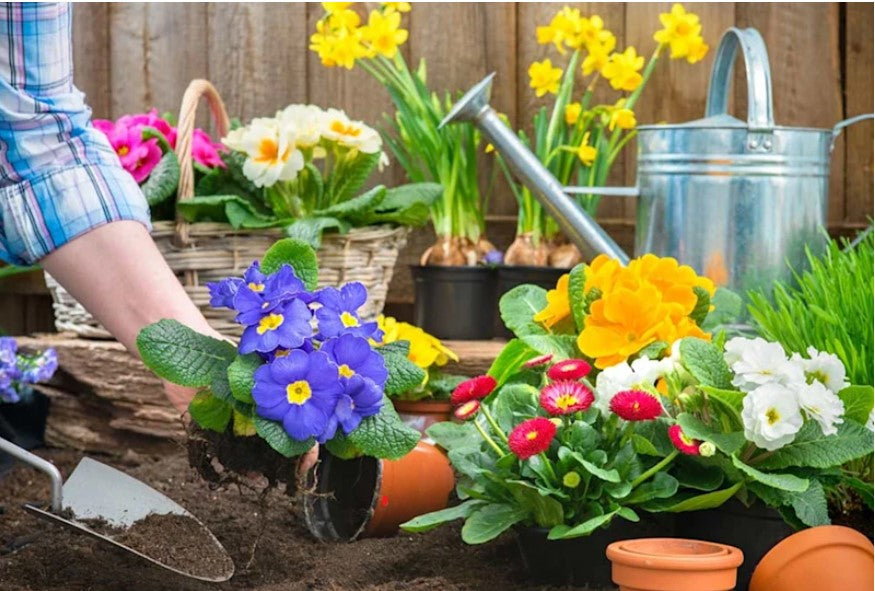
(544, 78)
(621, 117)
(384, 33)
(395, 6)
(589, 31)
(333, 7)
(682, 33)
(558, 304)
(572, 113)
(564, 28)
(622, 70)
(344, 21)
(489, 148)
(585, 152)
(597, 54)
(425, 349)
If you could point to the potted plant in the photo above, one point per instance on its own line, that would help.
(453, 293)
(576, 140)
(429, 401)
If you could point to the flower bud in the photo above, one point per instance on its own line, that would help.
(556, 421)
(571, 480)
(707, 449)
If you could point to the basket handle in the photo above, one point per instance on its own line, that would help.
(184, 138)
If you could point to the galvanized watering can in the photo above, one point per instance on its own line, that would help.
(737, 201)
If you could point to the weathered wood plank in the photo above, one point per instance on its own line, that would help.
(91, 61)
(858, 99)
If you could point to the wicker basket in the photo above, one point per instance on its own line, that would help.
(204, 252)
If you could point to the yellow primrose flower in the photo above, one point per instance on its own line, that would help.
(585, 152)
(622, 70)
(682, 33)
(425, 349)
(572, 113)
(598, 54)
(621, 116)
(270, 151)
(384, 34)
(395, 6)
(333, 7)
(558, 304)
(544, 77)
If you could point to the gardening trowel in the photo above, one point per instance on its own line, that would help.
(97, 493)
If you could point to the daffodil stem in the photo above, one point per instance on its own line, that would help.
(492, 423)
(655, 468)
(489, 439)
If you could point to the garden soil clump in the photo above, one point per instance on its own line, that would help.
(262, 531)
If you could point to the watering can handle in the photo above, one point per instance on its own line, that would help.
(841, 125)
(760, 113)
(40, 464)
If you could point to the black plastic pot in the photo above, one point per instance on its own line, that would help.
(755, 530)
(455, 302)
(582, 561)
(512, 276)
(24, 424)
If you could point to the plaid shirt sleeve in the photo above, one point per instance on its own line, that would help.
(59, 177)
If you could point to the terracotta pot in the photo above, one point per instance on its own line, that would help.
(673, 564)
(422, 414)
(369, 497)
(825, 558)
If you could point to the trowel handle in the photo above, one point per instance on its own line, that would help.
(40, 464)
(837, 129)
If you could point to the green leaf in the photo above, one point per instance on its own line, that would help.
(244, 426)
(610, 475)
(810, 506)
(564, 532)
(858, 402)
(728, 443)
(410, 198)
(519, 306)
(509, 361)
(488, 522)
(731, 398)
(545, 510)
(727, 308)
(813, 449)
(693, 474)
(310, 229)
(661, 486)
(786, 482)
(576, 281)
(276, 437)
(703, 305)
(364, 203)
(654, 350)
(148, 132)
(341, 188)
(866, 490)
(561, 346)
(342, 448)
(404, 375)
(399, 347)
(656, 434)
(682, 502)
(209, 412)
(383, 435)
(182, 356)
(452, 436)
(705, 363)
(241, 376)
(434, 519)
(240, 215)
(299, 255)
(163, 180)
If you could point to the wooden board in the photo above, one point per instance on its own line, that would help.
(858, 99)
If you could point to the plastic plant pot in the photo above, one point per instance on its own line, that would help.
(582, 561)
(422, 414)
(455, 302)
(368, 497)
(510, 276)
(673, 564)
(755, 530)
(825, 558)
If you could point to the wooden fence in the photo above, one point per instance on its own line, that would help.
(130, 57)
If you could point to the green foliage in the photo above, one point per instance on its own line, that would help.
(519, 305)
(210, 412)
(705, 362)
(785, 482)
(181, 355)
(404, 375)
(276, 437)
(383, 435)
(432, 520)
(240, 376)
(812, 449)
(510, 360)
(299, 255)
(490, 521)
(163, 180)
(858, 401)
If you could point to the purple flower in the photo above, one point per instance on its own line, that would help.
(284, 325)
(494, 257)
(339, 312)
(7, 390)
(222, 292)
(39, 368)
(360, 398)
(300, 391)
(284, 284)
(8, 349)
(354, 356)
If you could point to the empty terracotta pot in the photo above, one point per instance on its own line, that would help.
(673, 564)
(370, 497)
(422, 414)
(825, 558)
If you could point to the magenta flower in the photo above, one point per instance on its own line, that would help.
(205, 152)
(150, 119)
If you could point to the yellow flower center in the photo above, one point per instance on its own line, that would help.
(340, 127)
(636, 406)
(269, 322)
(532, 435)
(256, 287)
(348, 320)
(281, 353)
(816, 376)
(565, 401)
(773, 416)
(346, 371)
(298, 392)
(268, 152)
(123, 150)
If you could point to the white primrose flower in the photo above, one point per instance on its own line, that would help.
(870, 423)
(270, 150)
(821, 405)
(756, 362)
(353, 134)
(825, 368)
(643, 374)
(309, 121)
(771, 416)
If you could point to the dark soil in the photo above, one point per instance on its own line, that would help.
(262, 532)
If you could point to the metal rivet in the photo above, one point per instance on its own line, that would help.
(767, 144)
(752, 144)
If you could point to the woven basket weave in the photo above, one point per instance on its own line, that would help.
(204, 252)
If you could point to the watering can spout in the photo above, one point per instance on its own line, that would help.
(580, 228)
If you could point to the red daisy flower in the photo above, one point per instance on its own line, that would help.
(684, 444)
(636, 405)
(538, 361)
(570, 369)
(565, 397)
(473, 389)
(467, 410)
(531, 437)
